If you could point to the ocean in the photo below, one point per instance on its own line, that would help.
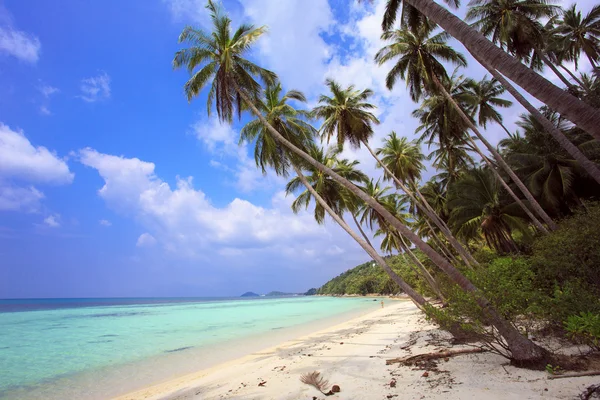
(97, 348)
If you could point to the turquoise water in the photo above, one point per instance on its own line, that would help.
(57, 339)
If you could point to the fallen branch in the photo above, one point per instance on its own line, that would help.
(432, 356)
(574, 374)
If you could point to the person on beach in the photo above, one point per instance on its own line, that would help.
(381, 303)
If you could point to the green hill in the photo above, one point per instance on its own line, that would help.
(370, 278)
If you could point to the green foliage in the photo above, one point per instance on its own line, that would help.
(570, 256)
(584, 328)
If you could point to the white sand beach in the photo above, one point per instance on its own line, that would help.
(352, 355)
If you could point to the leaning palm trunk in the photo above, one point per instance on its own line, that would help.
(523, 350)
(467, 258)
(575, 110)
(572, 75)
(441, 245)
(508, 189)
(589, 166)
(554, 69)
(362, 232)
(433, 284)
(534, 204)
(419, 300)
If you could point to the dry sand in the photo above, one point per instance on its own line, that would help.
(352, 355)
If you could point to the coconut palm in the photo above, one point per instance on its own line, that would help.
(493, 58)
(590, 167)
(482, 98)
(403, 161)
(515, 26)
(577, 34)
(329, 197)
(347, 115)
(283, 117)
(476, 207)
(220, 57)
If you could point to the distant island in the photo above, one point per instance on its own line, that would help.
(275, 293)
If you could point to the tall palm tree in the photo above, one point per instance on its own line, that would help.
(220, 57)
(403, 161)
(482, 98)
(590, 167)
(476, 207)
(290, 122)
(577, 34)
(441, 118)
(416, 56)
(329, 197)
(563, 102)
(515, 26)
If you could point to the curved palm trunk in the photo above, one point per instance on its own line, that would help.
(534, 204)
(589, 166)
(578, 112)
(442, 246)
(572, 75)
(523, 350)
(419, 300)
(424, 272)
(508, 189)
(362, 232)
(504, 127)
(554, 69)
(467, 258)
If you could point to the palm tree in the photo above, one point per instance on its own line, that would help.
(476, 207)
(563, 102)
(439, 120)
(417, 63)
(590, 167)
(482, 97)
(403, 161)
(577, 34)
(515, 26)
(283, 117)
(329, 197)
(220, 56)
(347, 114)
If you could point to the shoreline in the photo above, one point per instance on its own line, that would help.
(352, 355)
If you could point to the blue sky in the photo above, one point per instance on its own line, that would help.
(111, 184)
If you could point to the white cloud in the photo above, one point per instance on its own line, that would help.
(105, 222)
(221, 140)
(193, 10)
(185, 222)
(19, 159)
(95, 88)
(52, 221)
(45, 111)
(294, 47)
(14, 198)
(146, 240)
(47, 90)
(19, 44)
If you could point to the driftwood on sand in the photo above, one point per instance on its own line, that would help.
(432, 356)
(574, 374)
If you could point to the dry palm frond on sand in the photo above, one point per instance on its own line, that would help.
(315, 379)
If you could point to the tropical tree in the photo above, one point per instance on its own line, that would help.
(347, 115)
(515, 26)
(329, 197)
(290, 122)
(476, 208)
(482, 98)
(577, 34)
(222, 58)
(416, 55)
(494, 58)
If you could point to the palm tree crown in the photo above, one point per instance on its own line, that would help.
(286, 119)
(220, 57)
(346, 113)
(402, 157)
(482, 97)
(419, 57)
(577, 34)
